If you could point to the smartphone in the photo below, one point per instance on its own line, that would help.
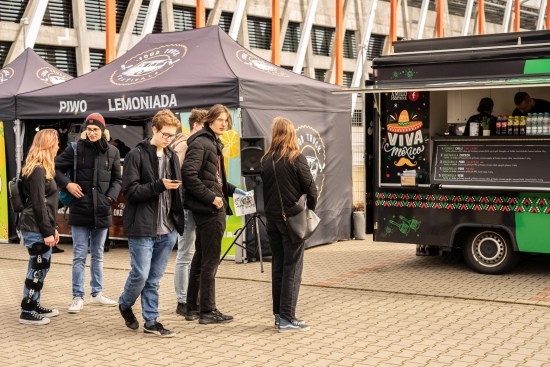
(176, 181)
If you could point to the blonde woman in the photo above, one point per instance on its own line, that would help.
(283, 163)
(38, 223)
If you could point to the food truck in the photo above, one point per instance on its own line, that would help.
(487, 196)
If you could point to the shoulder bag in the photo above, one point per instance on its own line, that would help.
(301, 221)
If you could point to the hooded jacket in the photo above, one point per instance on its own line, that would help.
(143, 186)
(199, 171)
(179, 144)
(98, 174)
(41, 206)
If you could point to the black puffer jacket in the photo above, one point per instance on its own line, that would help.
(294, 181)
(143, 186)
(39, 214)
(98, 174)
(199, 172)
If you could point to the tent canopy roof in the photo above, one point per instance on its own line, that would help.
(180, 71)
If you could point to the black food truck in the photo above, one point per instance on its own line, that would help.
(487, 196)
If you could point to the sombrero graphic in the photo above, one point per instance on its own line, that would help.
(404, 125)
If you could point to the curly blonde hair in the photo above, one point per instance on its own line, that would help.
(42, 153)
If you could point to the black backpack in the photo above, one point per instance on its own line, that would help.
(15, 194)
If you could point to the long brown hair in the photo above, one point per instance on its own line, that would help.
(283, 140)
(42, 152)
(214, 112)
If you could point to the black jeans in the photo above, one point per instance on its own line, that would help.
(286, 269)
(202, 277)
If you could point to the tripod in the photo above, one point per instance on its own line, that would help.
(240, 231)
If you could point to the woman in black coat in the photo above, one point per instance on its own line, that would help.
(38, 223)
(291, 172)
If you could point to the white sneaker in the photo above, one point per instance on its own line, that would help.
(101, 300)
(77, 305)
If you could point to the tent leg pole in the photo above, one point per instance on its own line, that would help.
(18, 147)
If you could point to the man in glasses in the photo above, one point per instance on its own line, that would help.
(95, 185)
(152, 218)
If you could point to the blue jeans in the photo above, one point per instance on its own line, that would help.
(148, 258)
(82, 237)
(186, 250)
(31, 238)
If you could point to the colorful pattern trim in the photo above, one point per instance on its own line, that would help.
(491, 203)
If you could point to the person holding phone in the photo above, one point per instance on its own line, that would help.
(152, 218)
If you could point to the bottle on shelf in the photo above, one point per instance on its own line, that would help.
(522, 125)
(504, 125)
(540, 121)
(528, 124)
(516, 125)
(546, 124)
(498, 124)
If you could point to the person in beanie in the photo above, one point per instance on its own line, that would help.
(186, 243)
(95, 189)
(152, 219)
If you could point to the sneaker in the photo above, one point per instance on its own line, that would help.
(129, 318)
(158, 330)
(214, 317)
(77, 305)
(45, 312)
(294, 325)
(277, 320)
(181, 309)
(192, 315)
(33, 318)
(101, 300)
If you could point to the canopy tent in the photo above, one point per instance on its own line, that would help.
(26, 73)
(202, 67)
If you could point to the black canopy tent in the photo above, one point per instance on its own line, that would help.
(28, 72)
(201, 67)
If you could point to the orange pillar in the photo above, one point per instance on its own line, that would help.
(439, 18)
(275, 33)
(200, 15)
(110, 31)
(547, 15)
(481, 17)
(339, 42)
(516, 15)
(393, 23)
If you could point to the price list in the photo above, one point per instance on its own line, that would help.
(492, 164)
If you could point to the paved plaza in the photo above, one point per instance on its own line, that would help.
(368, 304)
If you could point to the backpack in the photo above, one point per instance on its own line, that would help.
(15, 194)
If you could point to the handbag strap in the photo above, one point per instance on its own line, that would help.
(75, 149)
(278, 190)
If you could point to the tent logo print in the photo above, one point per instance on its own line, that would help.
(51, 76)
(6, 74)
(313, 148)
(256, 63)
(149, 64)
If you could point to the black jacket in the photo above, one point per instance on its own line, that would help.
(41, 206)
(98, 174)
(294, 181)
(143, 186)
(199, 172)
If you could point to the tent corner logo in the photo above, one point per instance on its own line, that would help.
(5, 74)
(257, 63)
(51, 76)
(312, 147)
(149, 64)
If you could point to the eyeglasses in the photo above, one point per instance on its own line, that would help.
(166, 135)
(93, 131)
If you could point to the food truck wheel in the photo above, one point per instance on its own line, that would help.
(489, 251)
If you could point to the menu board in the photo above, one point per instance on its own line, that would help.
(486, 163)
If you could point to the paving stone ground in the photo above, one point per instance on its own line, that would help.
(368, 304)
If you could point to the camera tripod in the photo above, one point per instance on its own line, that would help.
(254, 221)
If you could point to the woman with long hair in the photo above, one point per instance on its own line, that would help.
(38, 223)
(283, 164)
